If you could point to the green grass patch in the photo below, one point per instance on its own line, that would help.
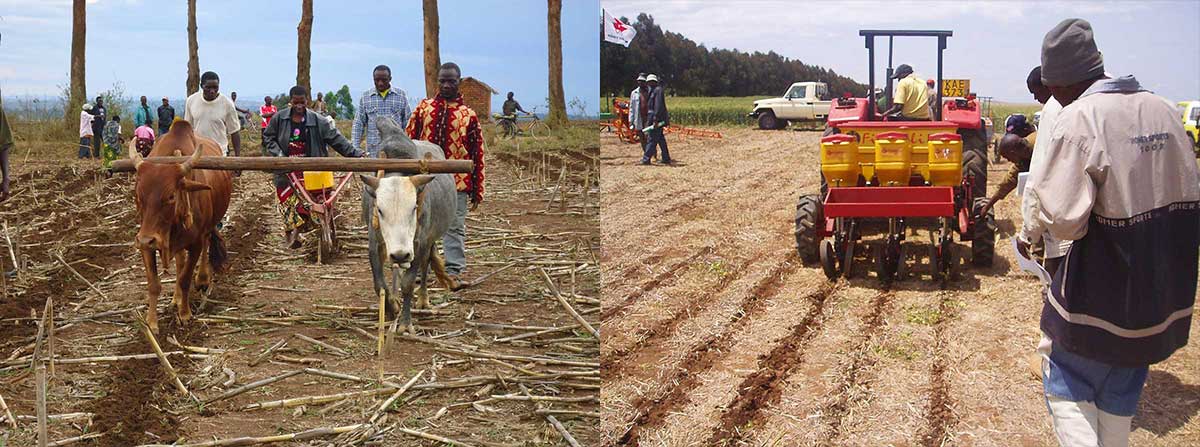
(710, 110)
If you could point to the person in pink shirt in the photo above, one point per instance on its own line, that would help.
(144, 135)
(266, 111)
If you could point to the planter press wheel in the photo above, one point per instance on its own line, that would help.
(829, 260)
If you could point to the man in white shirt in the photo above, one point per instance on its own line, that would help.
(214, 115)
(1055, 248)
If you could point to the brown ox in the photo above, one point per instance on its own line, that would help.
(179, 209)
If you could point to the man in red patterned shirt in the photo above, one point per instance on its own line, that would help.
(447, 122)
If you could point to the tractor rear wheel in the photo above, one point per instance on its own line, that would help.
(983, 238)
(975, 168)
(809, 223)
(767, 120)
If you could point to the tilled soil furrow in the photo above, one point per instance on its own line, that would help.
(136, 403)
(938, 415)
(66, 183)
(615, 362)
(763, 387)
(833, 413)
(664, 277)
(60, 282)
(651, 411)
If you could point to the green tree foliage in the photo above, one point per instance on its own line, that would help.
(340, 104)
(689, 69)
(345, 102)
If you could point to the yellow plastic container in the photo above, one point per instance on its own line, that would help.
(839, 160)
(893, 159)
(945, 159)
(318, 180)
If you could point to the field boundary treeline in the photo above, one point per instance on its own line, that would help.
(691, 69)
(734, 110)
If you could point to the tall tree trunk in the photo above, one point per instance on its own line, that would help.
(78, 93)
(558, 105)
(303, 48)
(433, 57)
(193, 78)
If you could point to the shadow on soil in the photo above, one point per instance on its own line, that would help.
(964, 276)
(1167, 404)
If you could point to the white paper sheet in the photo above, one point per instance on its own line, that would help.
(1030, 265)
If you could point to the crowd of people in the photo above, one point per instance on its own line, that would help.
(301, 129)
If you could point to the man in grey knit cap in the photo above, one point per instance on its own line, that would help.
(1121, 182)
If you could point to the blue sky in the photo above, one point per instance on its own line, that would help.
(995, 43)
(252, 46)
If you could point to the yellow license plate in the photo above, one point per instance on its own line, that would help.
(955, 88)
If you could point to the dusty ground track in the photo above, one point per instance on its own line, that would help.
(715, 334)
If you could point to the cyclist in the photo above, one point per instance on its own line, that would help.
(509, 112)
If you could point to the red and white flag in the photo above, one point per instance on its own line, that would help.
(616, 31)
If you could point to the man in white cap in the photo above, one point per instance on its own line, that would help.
(1121, 181)
(638, 106)
(657, 118)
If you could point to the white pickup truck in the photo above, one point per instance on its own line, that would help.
(803, 101)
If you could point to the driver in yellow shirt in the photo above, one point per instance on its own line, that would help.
(911, 98)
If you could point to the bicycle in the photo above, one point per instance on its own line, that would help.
(507, 127)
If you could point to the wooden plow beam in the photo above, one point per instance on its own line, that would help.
(692, 132)
(340, 164)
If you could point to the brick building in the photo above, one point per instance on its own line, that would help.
(478, 97)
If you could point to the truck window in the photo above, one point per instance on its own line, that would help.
(799, 91)
(1195, 114)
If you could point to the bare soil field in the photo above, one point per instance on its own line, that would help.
(490, 365)
(715, 334)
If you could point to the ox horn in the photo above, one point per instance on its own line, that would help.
(186, 167)
(134, 154)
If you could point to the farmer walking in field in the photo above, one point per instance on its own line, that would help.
(166, 116)
(243, 114)
(112, 143)
(142, 116)
(143, 138)
(319, 105)
(446, 121)
(85, 131)
(657, 118)
(214, 115)
(638, 100)
(267, 111)
(1121, 181)
(299, 132)
(383, 101)
(99, 114)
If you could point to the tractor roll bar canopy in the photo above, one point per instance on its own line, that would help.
(870, 34)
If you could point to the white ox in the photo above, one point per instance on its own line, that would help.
(407, 215)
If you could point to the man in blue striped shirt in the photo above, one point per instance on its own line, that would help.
(383, 101)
